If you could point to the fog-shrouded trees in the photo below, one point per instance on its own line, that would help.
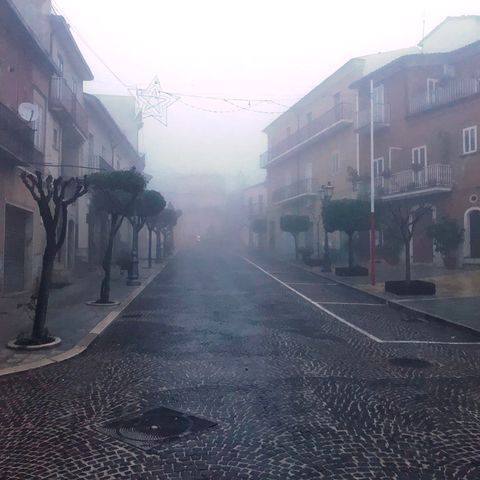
(147, 208)
(294, 224)
(349, 216)
(164, 226)
(114, 193)
(53, 197)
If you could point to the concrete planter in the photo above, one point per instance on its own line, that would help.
(414, 287)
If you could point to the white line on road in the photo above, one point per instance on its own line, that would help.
(354, 327)
(316, 283)
(353, 303)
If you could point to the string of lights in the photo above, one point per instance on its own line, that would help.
(179, 96)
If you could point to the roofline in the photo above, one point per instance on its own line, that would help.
(96, 103)
(420, 44)
(46, 58)
(402, 61)
(65, 29)
(314, 89)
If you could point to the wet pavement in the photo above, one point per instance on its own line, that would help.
(317, 384)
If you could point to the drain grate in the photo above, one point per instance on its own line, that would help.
(409, 362)
(154, 427)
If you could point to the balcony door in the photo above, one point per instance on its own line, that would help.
(378, 95)
(378, 168)
(419, 165)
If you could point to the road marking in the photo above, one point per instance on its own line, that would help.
(317, 283)
(354, 327)
(354, 303)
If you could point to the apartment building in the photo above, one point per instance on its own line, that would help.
(109, 149)
(314, 142)
(25, 72)
(426, 118)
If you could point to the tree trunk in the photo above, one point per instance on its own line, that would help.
(149, 248)
(107, 263)
(40, 319)
(408, 275)
(350, 250)
(296, 247)
(158, 250)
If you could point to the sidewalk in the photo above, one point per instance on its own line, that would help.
(68, 318)
(457, 299)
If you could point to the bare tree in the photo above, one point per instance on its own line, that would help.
(404, 218)
(53, 197)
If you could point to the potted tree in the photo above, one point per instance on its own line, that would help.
(447, 235)
(403, 217)
(294, 224)
(348, 216)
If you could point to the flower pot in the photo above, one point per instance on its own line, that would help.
(450, 262)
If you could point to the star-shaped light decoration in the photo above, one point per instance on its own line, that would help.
(154, 102)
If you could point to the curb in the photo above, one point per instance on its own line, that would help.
(395, 304)
(84, 342)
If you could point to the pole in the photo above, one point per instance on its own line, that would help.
(372, 191)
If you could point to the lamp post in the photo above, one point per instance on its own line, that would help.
(326, 193)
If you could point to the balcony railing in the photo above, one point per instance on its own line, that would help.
(340, 114)
(381, 117)
(307, 186)
(434, 177)
(442, 95)
(62, 98)
(16, 136)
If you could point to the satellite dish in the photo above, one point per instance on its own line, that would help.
(28, 111)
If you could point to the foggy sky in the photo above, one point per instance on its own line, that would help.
(258, 49)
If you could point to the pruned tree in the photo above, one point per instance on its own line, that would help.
(166, 222)
(53, 197)
(114, 193)
(294, 224)
(349, 216)
(149, 206)
(403, 217)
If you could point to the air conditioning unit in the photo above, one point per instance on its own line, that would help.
(448, 71)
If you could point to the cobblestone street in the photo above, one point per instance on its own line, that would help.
(326, 384)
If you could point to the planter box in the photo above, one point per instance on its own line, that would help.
(313, 261)
(415, 287)
(355, 271)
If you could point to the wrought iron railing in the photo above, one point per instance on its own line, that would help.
(16, 135)
(302, 187)
(439, 95)
(434, 175)
(62, 96)
(340, 113)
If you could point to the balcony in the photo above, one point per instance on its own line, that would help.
(16, 137)
(435, 178)
(69, 110)
(440, 95)
(381, 118)
(338, 117)
(307, 187)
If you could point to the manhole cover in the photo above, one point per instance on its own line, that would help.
(410, 362)
(154, 427)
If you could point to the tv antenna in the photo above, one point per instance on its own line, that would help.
(154, 102)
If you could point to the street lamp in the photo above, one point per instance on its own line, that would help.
(326, 193)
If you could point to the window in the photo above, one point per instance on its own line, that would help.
(56, 139)
(432, 85)
(470, 139)
(104, 152)
(378, 95)
(39, 127)
(335, 163)
(419, 156)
